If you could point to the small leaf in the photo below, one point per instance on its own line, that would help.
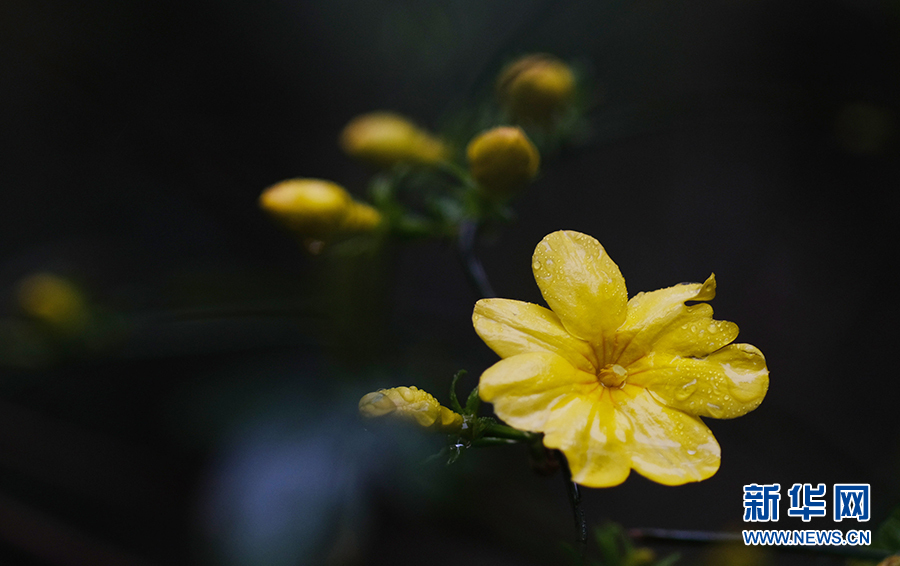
(887, 536)
(612, 544)
(454, 400)
(473, 403)
(381, 190)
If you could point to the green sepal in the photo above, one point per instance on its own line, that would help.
(473, 403)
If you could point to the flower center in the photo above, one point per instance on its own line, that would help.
(612, 375)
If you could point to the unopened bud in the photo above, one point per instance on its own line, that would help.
(536, 87)
(53, 300)
(318, 211)
(411, 404)
(384, 139)
(361, 218)
(502, 160)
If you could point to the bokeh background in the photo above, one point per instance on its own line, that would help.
(209, 415)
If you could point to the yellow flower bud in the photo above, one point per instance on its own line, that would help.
(54, 300)
(384, 138)
(361, 218)
(502, 160)
(317, 209)
(411, 404)
(536, 87)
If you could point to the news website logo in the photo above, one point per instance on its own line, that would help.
(851, 501)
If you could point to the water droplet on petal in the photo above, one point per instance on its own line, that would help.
(686, 390)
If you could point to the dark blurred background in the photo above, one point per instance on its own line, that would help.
(210, 415)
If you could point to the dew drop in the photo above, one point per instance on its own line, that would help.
(536, 265)
(686, 390)
(713, 328)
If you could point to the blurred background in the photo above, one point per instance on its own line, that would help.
(200, 405)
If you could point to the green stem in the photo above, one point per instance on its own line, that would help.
(502, 431)
(468, 232)
(577, 510)
(456, 172)
(492, 441)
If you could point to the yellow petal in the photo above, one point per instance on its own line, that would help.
(524, 388)
(385, 138)
(725, 384)
(583, 286)
(312, 207)
(515, 327)
(665, 445)
(660, 322)
(411, 404)
(451, 421)
(584, 428)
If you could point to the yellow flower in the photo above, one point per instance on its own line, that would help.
(54, 300)
(385, 138)
(502, 160)
(411, 404)
(317, 210)
(616, 384)
(536, 87)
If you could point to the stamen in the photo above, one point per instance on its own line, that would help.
(613, 375)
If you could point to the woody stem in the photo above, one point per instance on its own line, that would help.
(577, 510)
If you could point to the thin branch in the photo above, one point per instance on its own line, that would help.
(468, 231)
(577, 510)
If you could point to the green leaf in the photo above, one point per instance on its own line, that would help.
(473, 403)
(454, 400)
(612, 544)
(887, 536)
